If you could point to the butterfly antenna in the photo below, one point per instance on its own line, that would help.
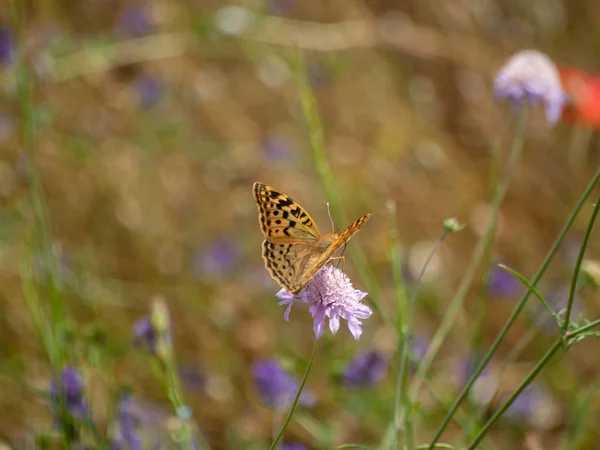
(330, 218)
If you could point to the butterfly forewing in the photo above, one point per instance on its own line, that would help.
(282, 220)
(291, 249)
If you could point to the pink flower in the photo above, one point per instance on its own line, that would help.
(330, 294)
(529, 77)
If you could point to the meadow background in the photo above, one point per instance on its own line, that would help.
(131, 134)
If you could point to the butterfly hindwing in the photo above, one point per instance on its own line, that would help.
(286, 263)
(282, 220)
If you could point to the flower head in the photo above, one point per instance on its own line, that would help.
(66, 394)
(149, 90)
(277, 387)
(330, 294)
(528, 77)
(135, 21)
(154, 331)
(534, 407)
(294, 446)
(126, 424)
(7, 46)
(366, 369)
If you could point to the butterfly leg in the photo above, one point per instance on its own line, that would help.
(341, 261)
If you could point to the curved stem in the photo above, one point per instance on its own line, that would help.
(520, 305)
(402, 377)
(297, 398)
(577, 269)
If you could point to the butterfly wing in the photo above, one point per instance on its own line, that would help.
(282, 220)
(285, 262)
(314, 264)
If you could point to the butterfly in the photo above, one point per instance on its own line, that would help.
(294, 249)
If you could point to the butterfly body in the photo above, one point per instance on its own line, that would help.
(294, 249)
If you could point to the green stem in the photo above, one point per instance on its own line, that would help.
(402, 377)
(457, 301)
(534, 372)
(317, 143)
(577, 269)
(296, 399)
(520, 305)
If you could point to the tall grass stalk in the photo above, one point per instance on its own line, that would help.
(317, 143)
(521, 303)
(577, 269)
(288, 419)
(457, 302)
(42, 237)
(401, 392)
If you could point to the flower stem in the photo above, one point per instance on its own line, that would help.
(577, 269)
(519, 306)
(297, 398)
(317, 143)
(404, 341)
(478, 253)
(534, 372)
(530, 377)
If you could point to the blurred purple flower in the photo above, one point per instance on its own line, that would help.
(535, 407)
(66, 395)
(191, 376)
(217, 259)
(528, 77)
(276, 147)
(419, 345)
(277, 387)
(144, 334)
(127, 421)
(149, 90)
(7, 46)
(294, 446)
(280, 7)
(502, 283)
(366, 369)
(135, 21)
(330, 294)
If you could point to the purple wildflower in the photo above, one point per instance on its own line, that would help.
(528, 77)
(280, 7)
(143, 334)
(419, 345)
(502, 283)
(277, 387)
(149, 90)
(135, 21)
(217, 259)
(192, 377)
(127, 421)
(366, 369)
(276, 147)
(66, 394)
(330, 294)
(294, 446)
(7, 46)
(534, 407)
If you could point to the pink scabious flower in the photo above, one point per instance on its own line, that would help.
(330, 294)
(528, 77)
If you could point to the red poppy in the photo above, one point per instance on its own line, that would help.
(583, 90)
